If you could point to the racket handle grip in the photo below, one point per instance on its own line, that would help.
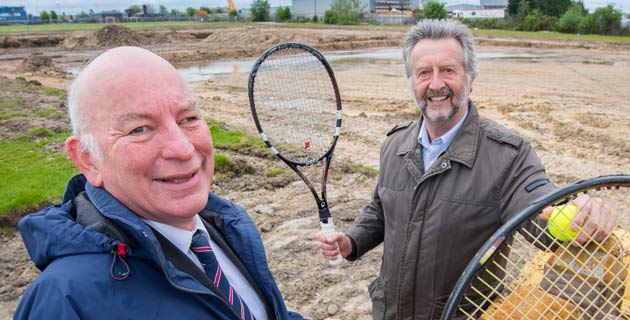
(328, 228)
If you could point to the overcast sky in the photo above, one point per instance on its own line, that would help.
(76, 6)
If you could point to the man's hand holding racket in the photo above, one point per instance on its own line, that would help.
(334, 244)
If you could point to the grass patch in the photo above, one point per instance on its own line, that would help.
(53, 91)
(550, 35)
(274, 172)
(44, 113)
(232, 139)
(222, 162)
(367, 171)
(31, 175)
(13, 104)
(92, 26)
(12, 115)
(40, 132)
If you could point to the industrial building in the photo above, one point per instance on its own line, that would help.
(311, 8)
(12, 15)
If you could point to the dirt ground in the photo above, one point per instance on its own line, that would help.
(568, 98)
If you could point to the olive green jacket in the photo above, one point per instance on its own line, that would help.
(432, 221)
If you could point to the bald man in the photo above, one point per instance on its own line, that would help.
(124, 241)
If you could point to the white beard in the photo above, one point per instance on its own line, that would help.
(443, 114)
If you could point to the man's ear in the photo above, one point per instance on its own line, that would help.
(84, 161)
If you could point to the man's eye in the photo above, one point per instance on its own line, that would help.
(189, 120)
(138, 130)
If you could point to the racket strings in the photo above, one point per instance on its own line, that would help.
(536, 276)
(296, 104)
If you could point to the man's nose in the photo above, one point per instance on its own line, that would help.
(436, 83)
(177, 145)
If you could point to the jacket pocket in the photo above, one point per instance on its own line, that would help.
(378, 299)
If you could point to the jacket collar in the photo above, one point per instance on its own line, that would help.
(462, 149)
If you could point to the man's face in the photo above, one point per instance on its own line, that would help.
(157, 149)
(438, 79)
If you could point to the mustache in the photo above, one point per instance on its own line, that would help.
(442, 92)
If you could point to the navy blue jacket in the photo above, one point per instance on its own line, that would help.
(79, 268)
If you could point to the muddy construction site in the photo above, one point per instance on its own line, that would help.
(569, 98)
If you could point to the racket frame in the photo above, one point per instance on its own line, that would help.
(325, 217)
(495, 242)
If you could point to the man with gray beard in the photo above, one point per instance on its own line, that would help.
(447, 181)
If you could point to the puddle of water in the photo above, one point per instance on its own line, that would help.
(193, 72)
(205, 71)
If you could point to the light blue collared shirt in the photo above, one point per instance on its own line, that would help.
(182, 238)
(431, 150)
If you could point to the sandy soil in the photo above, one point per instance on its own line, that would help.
(570, 101)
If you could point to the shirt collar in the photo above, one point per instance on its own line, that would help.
(181, 238)
(445, 139)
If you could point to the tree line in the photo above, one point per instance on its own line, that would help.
(565, 16)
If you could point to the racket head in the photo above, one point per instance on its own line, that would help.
(524, 272)
(295, 103)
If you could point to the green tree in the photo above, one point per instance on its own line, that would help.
(570, 20)
(53, 15)
(190, 11)
(44, 16)
(344, 12)
(606, 20)
(553, 8)
(83, 14)
(206, 9)
(134, 8)
(260, 10)
(535, 20)
(282, 14)
(233, 13)
(163, 10)
(435, 10)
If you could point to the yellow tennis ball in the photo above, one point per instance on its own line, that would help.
(559, 223)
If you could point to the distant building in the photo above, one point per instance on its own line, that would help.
(479, 13)
(493, 4)
(311, 8)
(463, 6)
(12, 15)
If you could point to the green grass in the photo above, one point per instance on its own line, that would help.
(31, 175)
(232, 139)
(221, 162)
(13, 104)
(274, 172)
(550, 35)
(44, 113)
(53, 91)
(91, 26)
(368, 171)
(40, 132)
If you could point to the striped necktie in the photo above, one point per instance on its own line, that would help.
(201, 247)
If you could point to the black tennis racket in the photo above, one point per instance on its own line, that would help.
(530, 269)
(296, 106)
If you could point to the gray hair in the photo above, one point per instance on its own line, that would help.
(442, 29)
(87, 139)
